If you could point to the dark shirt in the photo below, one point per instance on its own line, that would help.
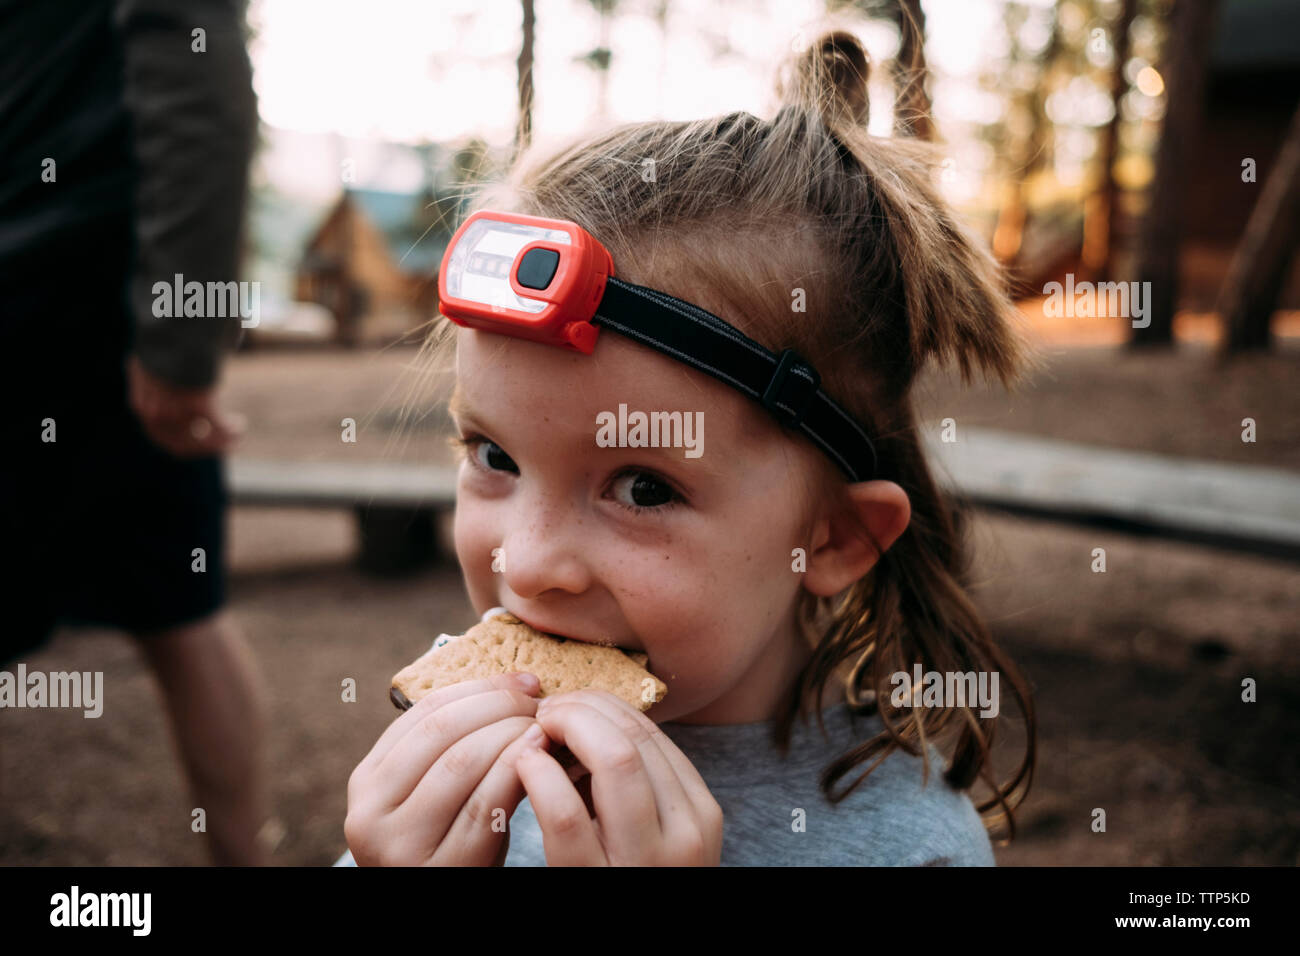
(140, 126)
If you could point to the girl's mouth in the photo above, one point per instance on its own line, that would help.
(579, 640)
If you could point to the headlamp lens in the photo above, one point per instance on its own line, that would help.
(480, 263)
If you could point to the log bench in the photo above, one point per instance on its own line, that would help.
(397, 505)
(1240, 507)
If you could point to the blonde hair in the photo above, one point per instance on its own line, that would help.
(737, 214)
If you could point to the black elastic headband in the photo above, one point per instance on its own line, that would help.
(785, 384)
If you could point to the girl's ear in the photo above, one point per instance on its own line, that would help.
(840, 552)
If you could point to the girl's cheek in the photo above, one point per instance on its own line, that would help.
(472, 535)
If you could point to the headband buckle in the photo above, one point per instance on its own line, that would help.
(788, 405)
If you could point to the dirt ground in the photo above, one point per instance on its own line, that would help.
(1136, 672)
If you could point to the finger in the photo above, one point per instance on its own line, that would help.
(621, 788)
(220, 435)
(188, 446)
(210, 446)
(233, 423)
(171, 414)
(497, 793)
(583, 786)
(429, 702)
(207, 437)
(671, 797)
(202, 436)
(569, 835)
(689, 777)
(180, 431)
(439, 729)
(681, 787)
(172, 437)
(443, 795)
(571, 764)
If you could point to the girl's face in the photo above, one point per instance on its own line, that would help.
(686, 558)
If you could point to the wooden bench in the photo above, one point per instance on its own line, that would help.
(397, 505)
(1235, 506)
(1243, 507)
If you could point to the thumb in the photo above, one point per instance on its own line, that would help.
(216, 431)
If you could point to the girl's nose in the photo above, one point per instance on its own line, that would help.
(541, 552)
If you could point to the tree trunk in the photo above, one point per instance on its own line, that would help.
(524, 127)
(1032, 155)
(911, 102)
(1259, 265)
(1099, 233)
(1186, 59)
(606, 10)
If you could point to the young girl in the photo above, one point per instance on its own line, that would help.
(761, 583)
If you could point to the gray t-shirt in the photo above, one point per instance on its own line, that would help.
(889, 820)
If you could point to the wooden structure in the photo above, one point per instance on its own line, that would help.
(1226, 109)
(372, 255)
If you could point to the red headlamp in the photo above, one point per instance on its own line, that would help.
(537, 279)
(550, 281)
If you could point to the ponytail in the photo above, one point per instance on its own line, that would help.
(945, 302)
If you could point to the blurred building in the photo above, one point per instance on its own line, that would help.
(1251, 92)
(374, 259)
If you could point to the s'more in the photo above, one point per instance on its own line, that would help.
(501, 643)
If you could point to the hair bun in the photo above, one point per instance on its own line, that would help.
(830, 78)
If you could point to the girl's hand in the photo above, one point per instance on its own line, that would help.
(651, 806)
(439, 778)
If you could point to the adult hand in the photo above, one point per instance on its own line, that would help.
(184, 421)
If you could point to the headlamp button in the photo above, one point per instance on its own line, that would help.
(537, 268)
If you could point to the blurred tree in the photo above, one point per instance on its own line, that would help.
(472, 164)
(1030, 137)
(1259, 265)
(1099, 223)
(660, 17)
(599, 58)
(1187, 49)
(524, 70)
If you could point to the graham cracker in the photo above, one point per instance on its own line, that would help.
(503, 644)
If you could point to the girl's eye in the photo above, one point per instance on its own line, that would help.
(638, 491)
(641, 489)
(488, 454)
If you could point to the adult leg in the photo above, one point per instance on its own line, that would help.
(217, 703)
